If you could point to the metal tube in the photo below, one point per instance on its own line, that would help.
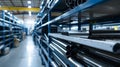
(90, 61)
(102, 45)
(59, 60)
(63, 44)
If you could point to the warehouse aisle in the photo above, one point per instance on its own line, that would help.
(25, 55)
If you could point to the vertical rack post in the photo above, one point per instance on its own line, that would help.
(49, 30)
(90, 24)
(12, 29)
(79, 21)
(14, 26)
(49, 18)
(9, 20)
(69, 23)
(3, 17)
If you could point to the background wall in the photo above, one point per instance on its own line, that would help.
(27, 21)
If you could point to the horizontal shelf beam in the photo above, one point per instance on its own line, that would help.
(81, 7)
(10, 8)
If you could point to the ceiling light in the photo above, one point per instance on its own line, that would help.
(29, 2)
(60, 25)
(9, 13)
(41, 7)
(30, 13)
(87, 18)
(5, 10)
(29, 6)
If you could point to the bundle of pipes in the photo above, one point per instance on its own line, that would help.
(102, 45)
(59, 54)
(83, 55)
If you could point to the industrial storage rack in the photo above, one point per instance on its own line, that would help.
(50, 43)
(9, 27)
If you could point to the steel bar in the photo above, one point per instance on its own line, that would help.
(102, 45)
(90, 61)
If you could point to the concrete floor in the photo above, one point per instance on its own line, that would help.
(26, 55)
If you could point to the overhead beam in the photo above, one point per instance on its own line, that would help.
(10, 8)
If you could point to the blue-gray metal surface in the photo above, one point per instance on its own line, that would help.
(26, 55)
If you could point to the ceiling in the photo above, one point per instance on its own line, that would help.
(107, 8)
(20, 3)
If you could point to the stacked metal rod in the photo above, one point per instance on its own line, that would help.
(81, 54)
(59, 54)
(102, 45)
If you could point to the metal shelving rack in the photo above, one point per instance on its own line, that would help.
(8, 25)
(56, 49)
(17, 31)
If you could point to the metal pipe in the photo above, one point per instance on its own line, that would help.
(102, 45)
(60, 42)
(63, 50)
(59, 61)
(62, 57)
(60, 50)
(75, 62)
(89, 61)
(110, 57)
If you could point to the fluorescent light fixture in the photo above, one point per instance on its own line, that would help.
(87, 18)
(40, 6)
(30, 13)
(5, 10)
(29, 2)
(60, 25)
(42, 2)
(29, 6)
(9, 13)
